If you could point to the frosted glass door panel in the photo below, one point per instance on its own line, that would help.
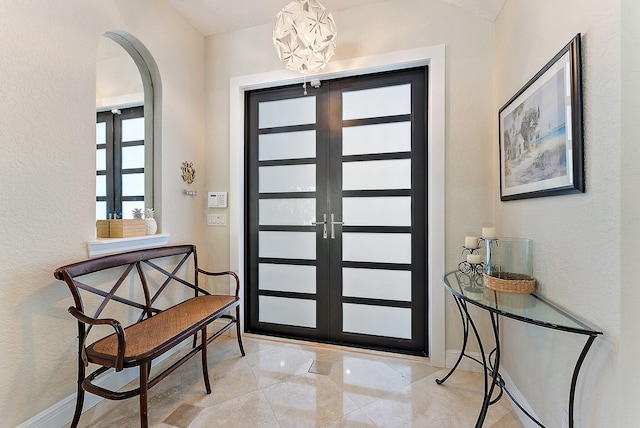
(376, 320)
(287, 245)
(287, 178)
(379, 102)
(287, 278)
(380, 138)
(133, 157)
(377, 175)
(101, 159)
(377, 211)
(101, 133)
(287, 145)
(133, 129)
(132, 184)
(295, 111)
(101, 185)
(377, 284)
(376, 247)
(287, 311)
(287, 212)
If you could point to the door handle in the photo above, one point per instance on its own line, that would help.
(324, 225)
(333, 230)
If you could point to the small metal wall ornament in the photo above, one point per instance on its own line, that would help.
(188, 172)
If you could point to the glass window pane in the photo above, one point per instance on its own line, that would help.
(133, 157)
(289, 278)
(377, 211)
(101, 210)
(376, 247)
(133, 184)
(101, 133)
(129, 206)
(287, 212)
(295, 111)
(287, 145)
(101, 185)
(380, 138)
(287, 245)
(377, 320)
(378, 102)
(287, 178)
(287, 311)
(101, 159)
(377, 284)
(377, 175)
(133, 129)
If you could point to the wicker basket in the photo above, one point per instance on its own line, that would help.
(510, 282)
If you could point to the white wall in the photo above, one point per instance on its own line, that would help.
(47, 170)
(577, 238)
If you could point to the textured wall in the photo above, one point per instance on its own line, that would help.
(576, 238)
(47, 170)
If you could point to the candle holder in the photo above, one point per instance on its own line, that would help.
(469, 267)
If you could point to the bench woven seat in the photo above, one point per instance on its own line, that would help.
(155, 335)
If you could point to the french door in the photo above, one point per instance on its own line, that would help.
(335, 225)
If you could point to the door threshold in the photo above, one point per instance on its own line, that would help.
(335, 347)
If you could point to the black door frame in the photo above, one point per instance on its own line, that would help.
(419, 238)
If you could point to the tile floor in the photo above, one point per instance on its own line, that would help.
(296, 384)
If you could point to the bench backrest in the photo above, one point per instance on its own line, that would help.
(132, 263)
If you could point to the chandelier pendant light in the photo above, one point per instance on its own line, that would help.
(304, 37)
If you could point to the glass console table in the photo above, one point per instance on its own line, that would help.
(529, 308)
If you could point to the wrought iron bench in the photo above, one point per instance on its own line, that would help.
(155, 331)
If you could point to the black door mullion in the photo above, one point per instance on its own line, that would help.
(334, 205)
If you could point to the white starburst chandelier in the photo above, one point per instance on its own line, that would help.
(304, 36)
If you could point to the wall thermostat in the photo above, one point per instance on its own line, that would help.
(217, 199)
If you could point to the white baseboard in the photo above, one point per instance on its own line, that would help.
(61, 413)
(472, 366)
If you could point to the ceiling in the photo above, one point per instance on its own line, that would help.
(221, 16)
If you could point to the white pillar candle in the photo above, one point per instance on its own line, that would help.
(471, 242)
(488, 232)
(474, 258)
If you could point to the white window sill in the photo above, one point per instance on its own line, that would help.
(102, 247)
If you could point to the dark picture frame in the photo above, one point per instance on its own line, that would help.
(540, 132)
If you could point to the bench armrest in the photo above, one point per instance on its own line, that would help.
(233, 274)
(80, 316)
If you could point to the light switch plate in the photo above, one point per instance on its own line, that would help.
(216, 220)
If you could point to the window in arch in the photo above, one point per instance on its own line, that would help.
(120, 163)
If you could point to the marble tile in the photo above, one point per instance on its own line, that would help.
(321, 368)
(411, 406)
(510, 420)
(251, 410)
(278, 364)
(462, 393)
(308, 401)
(183, 416)
(357, 419)
(228, 379)
(364, 379)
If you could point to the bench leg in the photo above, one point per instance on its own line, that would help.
(238, 330)
(205, 365)
(80, 394)
(144, 383)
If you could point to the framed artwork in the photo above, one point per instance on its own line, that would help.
(540, 132)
